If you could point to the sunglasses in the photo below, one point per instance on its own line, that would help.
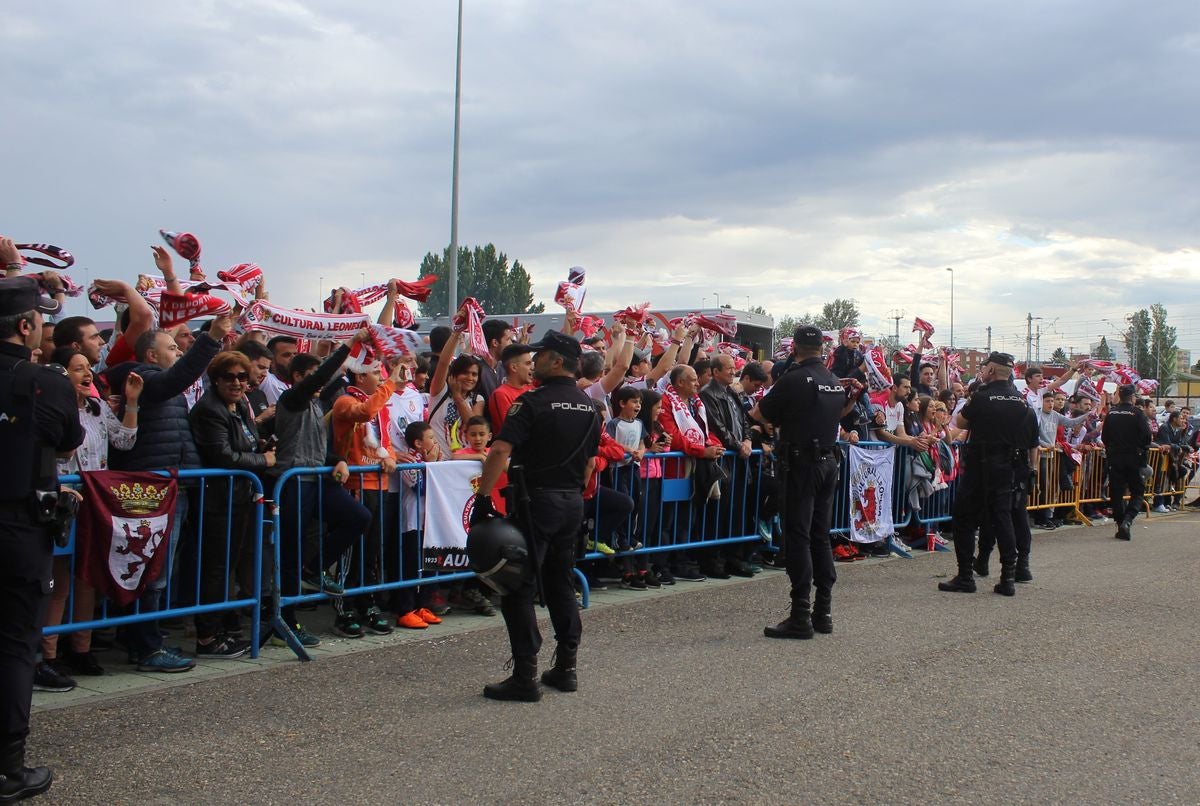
(230, 377)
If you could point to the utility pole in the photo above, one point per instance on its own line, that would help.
(1038, 351)
(452, 279)
(897, 315)
(989, 330)
(1028, 339)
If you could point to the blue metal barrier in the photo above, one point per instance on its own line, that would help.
(389, 513)
(179, 602)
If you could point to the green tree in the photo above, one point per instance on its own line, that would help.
(785, 326)
(483, 273)
(1059, 356)
(1137, 343)
(1103, 352)
(838, 314)
(1162, 348)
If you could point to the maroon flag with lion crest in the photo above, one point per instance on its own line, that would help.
(121, 537)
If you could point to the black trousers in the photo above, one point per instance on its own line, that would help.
(984, 495)
(22, 603)
(555, 518)
(1022, 534)
(1125, 474)
(226, 547)
(807, 516)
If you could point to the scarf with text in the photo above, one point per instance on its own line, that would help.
(280, 321)
(176, 309)
(687, 423)
(469, 320)
(354, 300)
(879, 377)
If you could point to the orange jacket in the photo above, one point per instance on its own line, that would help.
(350, 418)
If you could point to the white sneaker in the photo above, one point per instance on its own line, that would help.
(1161, 508)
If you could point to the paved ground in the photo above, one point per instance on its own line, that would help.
(1081, 689)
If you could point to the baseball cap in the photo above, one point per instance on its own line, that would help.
(560, 343)
(21, 294)
(1003, 359)
(808, 336)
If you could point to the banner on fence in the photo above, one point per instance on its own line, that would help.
(871, 494)
(122, 532)
(449, 494)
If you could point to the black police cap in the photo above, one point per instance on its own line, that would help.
(560, 343)
(808, 336)
(1003, 359)
(21, 294)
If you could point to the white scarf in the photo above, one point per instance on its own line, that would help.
(692, 432)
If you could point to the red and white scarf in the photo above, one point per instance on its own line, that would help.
(920, 325)
(353, 301)
(246, 276)
(469, 319)
(633, 317)
(262, 315)
(879, 377)
(377, 436)
(571, 291)
(177, 309)
(689, 428)
(187, 246)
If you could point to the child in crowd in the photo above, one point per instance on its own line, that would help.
(627, 431)
(478, 435)
(412, 604)
(650, 511)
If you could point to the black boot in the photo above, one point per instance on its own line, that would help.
(822, 621)
(981, 563)
(562, 675)
(796, 625)
(1008, 575)
(1023, 572)
(1124, 530)
(24, 783)
(963, 583)
(522, 686)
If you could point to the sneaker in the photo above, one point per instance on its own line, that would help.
(665, 576)
(651, 579)
(739, 568)
(880, 549)
(474, 598)
(411, 621)
(438, 603)
(306, 639)
(347, 626)
(322, 583)
(428, 616)
(1161, 508)
(375, 622)
(48, 677)
(843, 553)
(715, 571)
(596, 584)
(690, 574)
(633, 582)
(222, 646)
(165, 660)
(603, 548)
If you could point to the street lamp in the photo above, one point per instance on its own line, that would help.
(951, 307)
(702, 301)
(718, 296)
(452, 286)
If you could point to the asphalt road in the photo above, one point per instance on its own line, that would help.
(1081, 689)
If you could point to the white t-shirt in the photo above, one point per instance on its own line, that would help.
(272, 388)
(895, 416)
(405, 406)
(596, 392)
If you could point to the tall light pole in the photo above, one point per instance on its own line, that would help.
(951, 307)
(718, 296)
(452, 289)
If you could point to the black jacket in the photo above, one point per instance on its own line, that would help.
(726, 417)
(222, 443)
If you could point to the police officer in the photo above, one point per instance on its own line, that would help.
(1126, 436)
(1019, 515)
(1002, 428)
(553, 432)
(805, 406)
(38, 422)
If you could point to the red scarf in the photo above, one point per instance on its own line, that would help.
(381, 422)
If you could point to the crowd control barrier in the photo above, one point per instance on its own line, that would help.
(380, 550)
(209, 494)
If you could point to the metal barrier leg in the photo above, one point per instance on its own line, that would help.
(583, 586)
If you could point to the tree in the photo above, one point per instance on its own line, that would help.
(483, 273)
(1103, 352)
(786, 326)
(838, 314)
(1059, 356)
(1137, 343)
(1162, 348)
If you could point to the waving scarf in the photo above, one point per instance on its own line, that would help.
(784, 349)
(921, 325)
(1087, 389)
(879, 377)
(187, 246)
(571, 291)
(725, 323)
(262, 315)
(354, 300)
(469, 319)
(633, 317)
(176, 309)
(246, 276)
(53, 253)
(1117, 373)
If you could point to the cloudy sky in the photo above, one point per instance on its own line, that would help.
(781, 152)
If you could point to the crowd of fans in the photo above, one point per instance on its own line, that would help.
(215, 398)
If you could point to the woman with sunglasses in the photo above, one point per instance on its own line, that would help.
(226, 436)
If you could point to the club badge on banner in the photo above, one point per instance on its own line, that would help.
(871, 494)
(450, 489)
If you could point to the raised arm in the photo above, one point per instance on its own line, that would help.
(438, 382)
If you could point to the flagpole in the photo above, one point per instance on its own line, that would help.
(453, 278)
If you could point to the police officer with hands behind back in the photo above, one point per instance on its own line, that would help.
(1126, 436)
(39, 422)
(805, 405)
(552, 433)
(1002, 429)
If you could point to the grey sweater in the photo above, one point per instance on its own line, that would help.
(300, 419)
(1048, 423)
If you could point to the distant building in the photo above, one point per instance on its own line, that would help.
(1183, 360)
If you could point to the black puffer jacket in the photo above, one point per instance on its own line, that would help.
(222, 442)
(164, 434)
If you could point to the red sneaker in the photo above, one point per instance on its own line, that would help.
(411, 620)
(427, 616)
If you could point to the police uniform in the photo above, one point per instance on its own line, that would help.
(1126, 436)
(38, 419)
(805, 405)
(1019, 516)
(1002, 428)
(554, 432)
